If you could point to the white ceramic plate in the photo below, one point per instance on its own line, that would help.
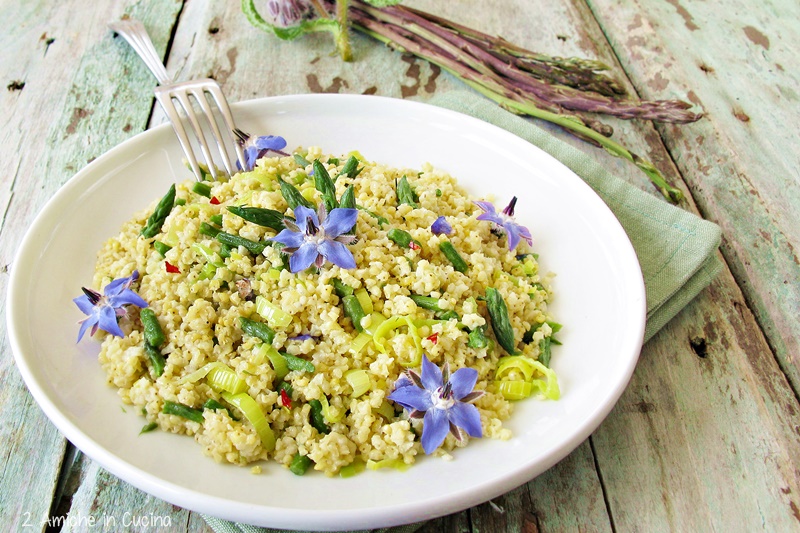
(599, 298)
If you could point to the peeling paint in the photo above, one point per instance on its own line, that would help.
(685, 15)
(78, 114)
(316, 87)
(756, 37)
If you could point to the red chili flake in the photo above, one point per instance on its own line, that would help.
(413, 245)
(172, 269)
(214, 200)
(434, 338)
(285, 400)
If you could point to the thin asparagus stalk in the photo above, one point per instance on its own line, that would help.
(512, 100)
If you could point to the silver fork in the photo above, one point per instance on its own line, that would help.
(201, 91)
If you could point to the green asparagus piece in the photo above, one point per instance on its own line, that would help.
(156, 220)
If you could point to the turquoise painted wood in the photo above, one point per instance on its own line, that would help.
(706, 435)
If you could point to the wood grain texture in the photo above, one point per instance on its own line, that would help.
(706, 435)
(740, 161)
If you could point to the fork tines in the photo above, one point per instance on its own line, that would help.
(216, 122)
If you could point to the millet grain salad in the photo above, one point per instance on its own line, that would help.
(323, 312)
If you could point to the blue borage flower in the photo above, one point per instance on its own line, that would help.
(505, 221)
(257, 147)
(104, 310)
(314, 237)
(442, 400)
(441, 226)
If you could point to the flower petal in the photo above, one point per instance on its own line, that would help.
(289, 238)
(488, 207)
(107, 320)
(463, 381)
(127, 297)
(302, 214)
(467, 417)
(491, 217)
(441, 226)
(86, 323)
(411, 397)
(250, 156)
(303, 257)
(270, 142)
(431, 375)
(338, 254)
(120, 284)
(340, 220)
(435, 428)
(83, 303)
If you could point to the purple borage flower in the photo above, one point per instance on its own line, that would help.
(315, 237)
(105, 309)
(257, 147)
(441, 226)
(442, 400)
(505, 220)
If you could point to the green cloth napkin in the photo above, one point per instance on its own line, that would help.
(676, 249)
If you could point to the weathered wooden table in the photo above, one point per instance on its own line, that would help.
(706, 435)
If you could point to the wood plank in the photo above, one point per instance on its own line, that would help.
(97, 499)
(741, 160)
(705, 436)
(60, 114)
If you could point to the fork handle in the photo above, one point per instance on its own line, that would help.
(134, 32)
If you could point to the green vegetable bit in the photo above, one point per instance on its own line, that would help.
(477, 338)
(381, 220)
(208, 230)
(293, 196)
(324, 184)
(453, 256)
(257, 329)
(157, 361)
(401, 237)
(233, 241)
(342, 289)
(147, 428)
(300, 464)
(301, 161)
(354, 311)
(316, 417)
(406, 194)
(214, 405)
(350, 168)
(501, 324)
(179, 409)
(348, 198)
(161, 248)
(156, 220)
(202, 189)
(296, 363)
(153, 334)
(267, 218)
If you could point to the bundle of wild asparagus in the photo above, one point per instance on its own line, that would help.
(564, 91)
